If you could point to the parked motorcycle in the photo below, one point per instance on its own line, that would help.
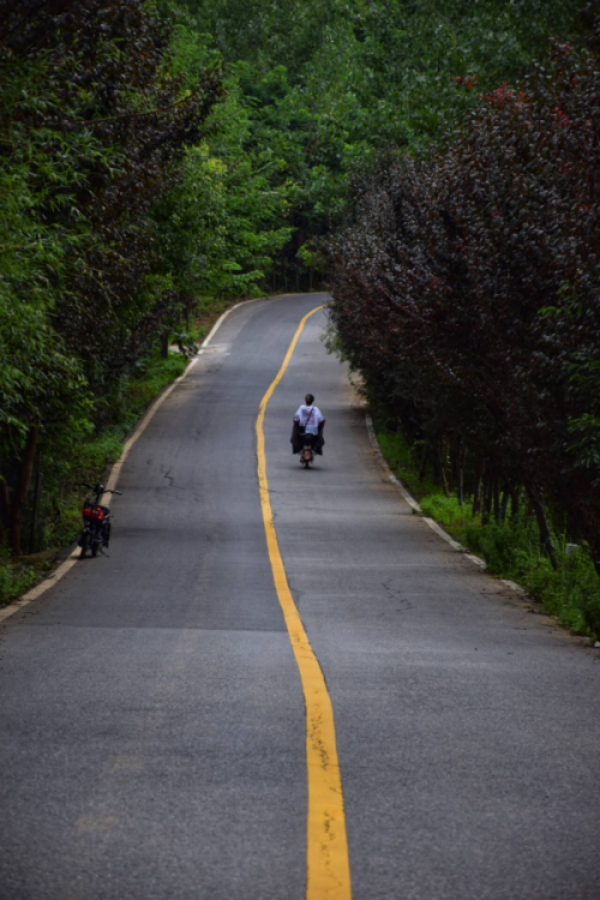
(96, 522)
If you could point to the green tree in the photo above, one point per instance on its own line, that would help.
(330, 83)
(94, 123)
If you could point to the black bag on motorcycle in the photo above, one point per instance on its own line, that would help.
(296, 438)
(297, 435)
(320, 440)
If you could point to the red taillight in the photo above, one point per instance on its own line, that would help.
(93, 511)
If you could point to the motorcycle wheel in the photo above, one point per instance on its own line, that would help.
(85, 543)
(95, 545)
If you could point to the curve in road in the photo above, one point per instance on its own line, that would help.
(152, 723)
(328, 869)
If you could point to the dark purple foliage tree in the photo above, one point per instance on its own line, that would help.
(467, 290)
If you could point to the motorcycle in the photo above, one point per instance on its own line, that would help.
(96, 522)
(307, 453)
(307, 445)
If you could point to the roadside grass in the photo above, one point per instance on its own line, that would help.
(15, 578)
(510, 548)
(400, 459)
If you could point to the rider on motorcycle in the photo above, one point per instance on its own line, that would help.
(308, 420)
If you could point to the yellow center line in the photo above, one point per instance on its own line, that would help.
(328, 869)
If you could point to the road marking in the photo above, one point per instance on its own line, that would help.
(327, 865)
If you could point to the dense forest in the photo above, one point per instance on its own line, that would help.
(434, 163)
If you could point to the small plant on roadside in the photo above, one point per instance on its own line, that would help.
(14, 579)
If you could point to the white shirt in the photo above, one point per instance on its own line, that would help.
(310, 417)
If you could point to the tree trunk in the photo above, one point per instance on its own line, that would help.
(17, 507)
(496, 498)
(477, 489)
(540, 513)
(164, 343)
(423, 470)
(445, 481)
(504, 503)
(435, 464)
(514, 502)
(36, 503)
(409, 442)
(4, 508)
(595, 551)
(488, 492)
(444, 474)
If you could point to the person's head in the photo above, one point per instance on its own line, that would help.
(309, 399)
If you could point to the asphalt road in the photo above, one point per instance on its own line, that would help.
(152, 733)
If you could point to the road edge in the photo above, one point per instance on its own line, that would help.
(519, 590)
(50, 580)
(408, 497)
